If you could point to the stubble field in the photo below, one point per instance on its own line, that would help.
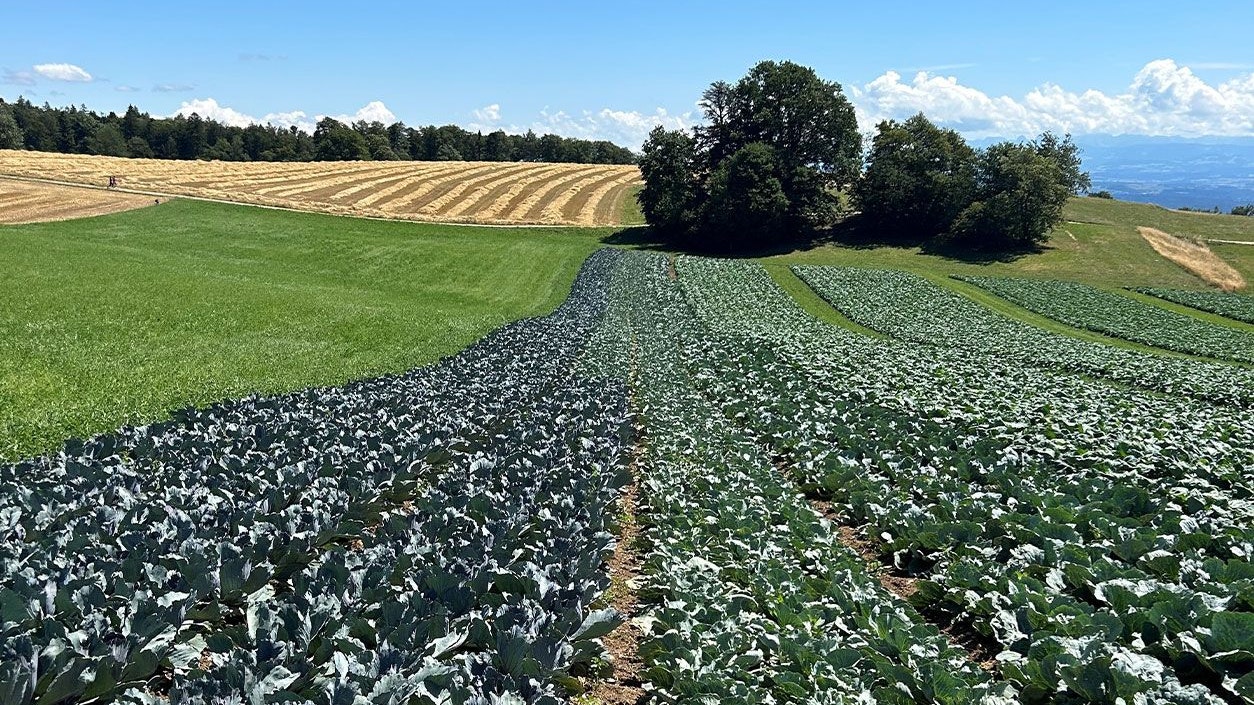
(498, 193)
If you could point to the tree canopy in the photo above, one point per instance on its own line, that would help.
(775, 147)
(77, 130)
(923, 182)
(919, 177)
(778, 145)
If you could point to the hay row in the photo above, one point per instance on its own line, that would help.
(486, 192)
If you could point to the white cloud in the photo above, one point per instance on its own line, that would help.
(374, 111)
(295, 118)
(624, 127)
(63, 72)
(488, 115)
(126, 89)
(173, 87)
(210, 108)
(1163, 98)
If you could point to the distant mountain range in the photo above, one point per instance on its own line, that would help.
(1171, 171)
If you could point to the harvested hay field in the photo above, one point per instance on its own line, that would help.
(1195, 257)
(33, 202)
(499, 193)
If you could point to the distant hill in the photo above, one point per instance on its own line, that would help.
(1172, 172)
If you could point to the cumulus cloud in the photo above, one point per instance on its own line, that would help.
(488, 115)
(374, 111)
(63, 72)
(1163, 98)
(624, 127)
(210, 108)
(294, 118)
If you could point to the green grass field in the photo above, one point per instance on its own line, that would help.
(1098, 245)
(123, 318)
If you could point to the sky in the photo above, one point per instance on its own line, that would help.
(614, 70)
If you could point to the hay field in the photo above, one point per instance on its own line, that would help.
(1196, 257)
(32, 202)
(505, 193)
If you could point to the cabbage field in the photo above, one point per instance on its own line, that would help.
(970, 510)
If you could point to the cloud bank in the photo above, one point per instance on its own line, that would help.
(625, 127)
(1163, 99)
(374, 111)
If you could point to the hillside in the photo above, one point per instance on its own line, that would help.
(1097, 244)
(498, 193)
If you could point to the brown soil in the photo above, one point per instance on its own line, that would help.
(980, 650)
(531, 203)
(1195, 257)
(609, 209)
(30, 202)
(586, 194)
(624, 687)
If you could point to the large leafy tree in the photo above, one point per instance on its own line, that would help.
(1019, 199)
(808, 123)
(746, 204)
(668, 163)
(918, 178)
(335, 141)
(795, 141)
(11, 136)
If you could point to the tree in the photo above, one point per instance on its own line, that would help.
(811, 127)
(138, 147)
(668, 200)
(11, 136)
(380, 148)
(335, 141)
(1066, 155)
(108, 140)
(918, 178)
(1019, 198)
(496, 147)
(746, 206)
(805, 144)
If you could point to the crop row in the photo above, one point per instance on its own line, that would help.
(752, 599)
(1119, 316)
(1234, 306)
(909, 307)
(1099, 536)
(432, 537)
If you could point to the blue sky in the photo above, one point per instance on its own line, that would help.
(612, 70)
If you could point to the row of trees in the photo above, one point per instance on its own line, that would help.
(1245, 210)
(781, 146)
(77, 130)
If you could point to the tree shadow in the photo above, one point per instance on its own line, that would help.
(640, 237)
(645, 238)
(850, 232)
(858, 233)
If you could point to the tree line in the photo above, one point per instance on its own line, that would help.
(780, 155)
(77, 130)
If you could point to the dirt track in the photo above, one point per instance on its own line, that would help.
(471, 192)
